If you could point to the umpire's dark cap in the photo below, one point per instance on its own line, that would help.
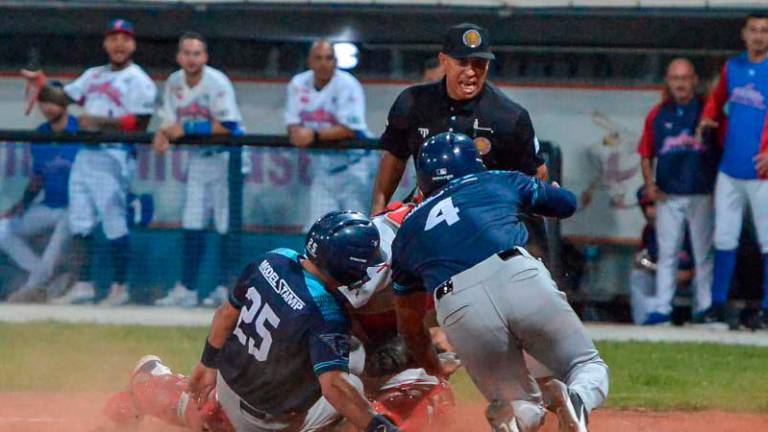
(467, 40)
(119, 25)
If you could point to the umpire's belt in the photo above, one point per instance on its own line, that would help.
(447, 286)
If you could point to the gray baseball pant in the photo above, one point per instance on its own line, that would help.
(497, 309)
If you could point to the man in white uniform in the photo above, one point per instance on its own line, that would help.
(118, 96)
(328, 104)
(199, 100)
(42, 207)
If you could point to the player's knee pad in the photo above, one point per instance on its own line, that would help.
(159, 396)
(418, 406)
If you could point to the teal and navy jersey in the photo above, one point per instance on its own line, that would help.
(467, 221)
(53, 163)
(739, 103)
(291, 329)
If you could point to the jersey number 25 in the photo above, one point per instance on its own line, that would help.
(444, 211)
(246, 317)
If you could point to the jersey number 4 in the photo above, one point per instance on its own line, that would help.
(266, 315)
(444, 211)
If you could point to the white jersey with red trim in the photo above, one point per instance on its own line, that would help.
(107, 93)
(213, 98)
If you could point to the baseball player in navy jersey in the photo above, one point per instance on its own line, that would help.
(463, 246)
(117, 96)
(43, 207)
(682, 187)
(328, 104)
(199, 100)
(738, 105)
(278, 350)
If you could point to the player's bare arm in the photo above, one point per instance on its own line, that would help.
(391, 169)
(410, 324)
(653, 191)
(129, 123)
(203, 378)
(345, 398)
(761, 164)
(301, 136)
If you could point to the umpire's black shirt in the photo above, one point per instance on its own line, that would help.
(501, 128)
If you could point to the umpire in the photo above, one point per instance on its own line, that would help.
(462, 102)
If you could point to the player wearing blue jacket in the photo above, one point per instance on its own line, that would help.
(464, 247)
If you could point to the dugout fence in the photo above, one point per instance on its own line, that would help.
(272, 189)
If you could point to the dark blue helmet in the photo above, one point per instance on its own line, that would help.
(343, 244)
(444, 157)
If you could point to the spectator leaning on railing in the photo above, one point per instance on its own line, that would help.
(328, 104)
(199, 100)
(117, 96)
(681, 188)
(30, 216)
(738, 103)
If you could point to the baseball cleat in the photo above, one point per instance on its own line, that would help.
(27, 295)
(80, 293)
(179, 295)
(501, 416)
(217, 297)
(567, 404)
(118, 295)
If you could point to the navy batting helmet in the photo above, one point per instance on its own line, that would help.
(444, 157)
(343, 244)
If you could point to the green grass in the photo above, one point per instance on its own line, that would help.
(657, 376)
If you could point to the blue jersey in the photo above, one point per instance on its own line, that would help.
(53, 163)
(467, 221)
(739, 100)
(290, 330)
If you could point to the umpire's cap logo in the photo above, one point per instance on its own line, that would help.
(472, 38)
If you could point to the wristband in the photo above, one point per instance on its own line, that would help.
(193, 127)
(129, 123)
(210, 354)
(379, 423)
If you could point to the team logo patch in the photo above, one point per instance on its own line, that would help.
(483, 145)
(472, 38)
(441, 171)
(339, 343)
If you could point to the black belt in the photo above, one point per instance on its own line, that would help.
(267, 417)
(447, 286)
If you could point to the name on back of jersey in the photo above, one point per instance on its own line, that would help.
(280, 286)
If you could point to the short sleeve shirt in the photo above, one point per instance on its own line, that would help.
(290, 330)
(502, 129)
(213, 98)
(107, 93)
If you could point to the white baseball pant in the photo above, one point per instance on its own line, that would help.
(731, 194)
(671, 215)
(349, 189)
(207, 192)
(36, 220)
(98, 188)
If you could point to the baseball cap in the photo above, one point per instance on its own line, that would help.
(467, 40)
(119, 25)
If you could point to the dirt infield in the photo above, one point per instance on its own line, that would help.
(54, 412)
